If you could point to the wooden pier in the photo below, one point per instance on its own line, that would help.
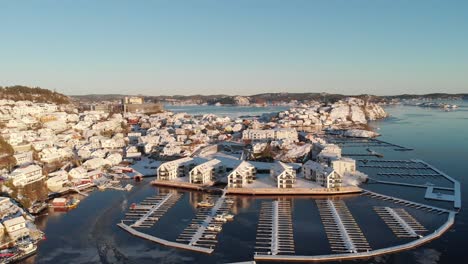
(343, 233)
(275, 231)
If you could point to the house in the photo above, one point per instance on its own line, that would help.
(324, 176)
(174, 169)
(15, 138)
(95, 163)
(57, 180)
(114, 158)
(283, 174)
(171, 150)
(206, 172)
(343, 165)
(270, 134)
(241, 175)
(95, 174)
(78, 173)
(132, 152)
(24, 157)
(48, 155)
(328, 153)
(16, 228)
(26, 175)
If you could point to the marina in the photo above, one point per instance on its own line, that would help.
(275, 230)
(342, 230)
(365, 142)
(400, 222)
(150, 210)
(206, 225)
(415, 173)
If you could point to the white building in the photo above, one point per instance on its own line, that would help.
(24, 157)
(324, 176)
(283, 174)
(328, 153)
(26, 175)
(344, 165)
(272, 134)
(206, 172)
(174, 169)
(57, 180)
(78, 173)
(16, 228)
(241, 175)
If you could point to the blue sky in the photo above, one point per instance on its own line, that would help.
(236, 46)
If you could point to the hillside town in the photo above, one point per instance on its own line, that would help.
(50, 150)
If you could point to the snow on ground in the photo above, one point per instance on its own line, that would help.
(146, 166)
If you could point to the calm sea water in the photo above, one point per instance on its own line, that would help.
(89, 233)
(231, 111)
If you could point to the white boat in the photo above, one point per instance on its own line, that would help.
(216, 228)
(220, 218)
(209, 236)
(228, 217)
(205, 204)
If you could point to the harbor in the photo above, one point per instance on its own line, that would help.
(208, 222)
(275, 229)
(150, 210)
(344, 235)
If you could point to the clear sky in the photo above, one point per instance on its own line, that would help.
(235, 46)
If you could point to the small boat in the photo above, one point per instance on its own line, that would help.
(216, 228)
(220, 218)
(73, 203)
(37, 208)
(205, 204)
(229, 201)
(64, 203)
(209, 236)
(228, 217)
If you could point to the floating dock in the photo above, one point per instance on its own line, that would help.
(400, 221)
(150, 210)
(365, 142)
(275, 231)
(420, 206)
(163, 241)
(408, 169)
(202, 230)
(343, 233)
(363, 255)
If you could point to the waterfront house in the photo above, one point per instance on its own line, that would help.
(95, 163)
(241, 175)
(324, 176)
(16, 228)
(283, 174)
(206, 172)
(343, 165)
(174, 169)
(57, 180)
(78, 173)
